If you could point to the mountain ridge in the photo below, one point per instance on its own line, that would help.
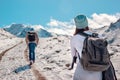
(20, 30)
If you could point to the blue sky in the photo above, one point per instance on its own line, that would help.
(41, 11)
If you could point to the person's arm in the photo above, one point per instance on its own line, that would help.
(73, 53)
(26, 39)
(37, 38)
(73, 50)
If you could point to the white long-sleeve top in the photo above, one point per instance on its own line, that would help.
(81, 74)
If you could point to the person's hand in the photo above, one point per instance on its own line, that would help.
(70, 68)
(74, 59)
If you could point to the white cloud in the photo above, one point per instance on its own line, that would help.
(61, 31)
(58, 31)
(100, 20)
(96, 21)
(37, 27)
(55, 23)
(61, 27)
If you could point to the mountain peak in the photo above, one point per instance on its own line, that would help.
(114, 26)
(118, 20)
(20, 30)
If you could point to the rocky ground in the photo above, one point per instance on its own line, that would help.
(52, 59)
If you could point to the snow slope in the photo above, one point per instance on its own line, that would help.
(52, 60)
(7, 40)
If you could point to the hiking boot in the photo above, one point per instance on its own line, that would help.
(31, 62)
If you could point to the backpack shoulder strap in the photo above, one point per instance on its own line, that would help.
(84, 34)
(88, 35)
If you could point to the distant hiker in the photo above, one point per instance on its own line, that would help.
(91, 60)
(31, 41)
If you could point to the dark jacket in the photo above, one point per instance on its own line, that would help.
(109, 74)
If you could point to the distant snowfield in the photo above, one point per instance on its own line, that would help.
(7, 40)
(52, 57)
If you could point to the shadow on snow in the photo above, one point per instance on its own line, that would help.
(21, 68)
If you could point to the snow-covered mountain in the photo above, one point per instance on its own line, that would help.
(20, 30)
(111, 33)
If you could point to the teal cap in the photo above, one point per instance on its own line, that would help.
(81, 21)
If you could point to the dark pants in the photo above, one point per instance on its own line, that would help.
(32, 51)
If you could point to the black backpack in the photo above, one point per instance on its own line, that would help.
(31, 36)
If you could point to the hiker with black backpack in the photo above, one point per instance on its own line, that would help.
(91, 52)
(32, 40)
